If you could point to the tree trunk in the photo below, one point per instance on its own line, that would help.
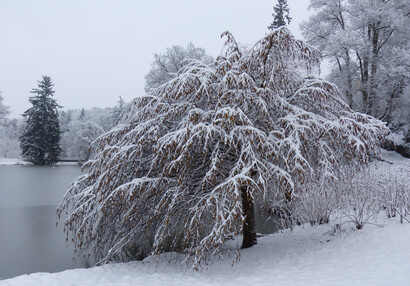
(365, 84)
(389, 106)
(349, 85)
(249, 230)
(373, 72)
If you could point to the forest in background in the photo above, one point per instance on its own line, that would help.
(79, 127)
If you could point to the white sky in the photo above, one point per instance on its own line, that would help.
(98, 50)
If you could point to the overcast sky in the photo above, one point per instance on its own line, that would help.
(98, 50)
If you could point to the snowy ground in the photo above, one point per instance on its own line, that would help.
(13, 161)
(377, 255)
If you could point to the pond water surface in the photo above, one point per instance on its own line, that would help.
(30, 241)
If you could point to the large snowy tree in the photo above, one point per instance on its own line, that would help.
(39, 142)
(166, 65)
(187, 164)
(367, 43)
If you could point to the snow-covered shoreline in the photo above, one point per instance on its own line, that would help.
(15, 161)
(376, 255)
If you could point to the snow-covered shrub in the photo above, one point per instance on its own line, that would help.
(360, 196)
(187, 164)
(396, 189)
(315, 204)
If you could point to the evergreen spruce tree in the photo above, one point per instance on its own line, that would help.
(39, 142)
(281, 12)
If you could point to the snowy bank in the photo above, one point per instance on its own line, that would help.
(13, 161)
(71, 163)
(376, 255)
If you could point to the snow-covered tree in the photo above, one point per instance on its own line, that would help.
(80, 127)
(65, 120)
(9, 146)
(116, 112)
(280, 15)
(9, 139)
(39, 142)
(82, 115)
(165, 66)
(4, 111)
(77, 139)
(327, 30)
(188, 164)
(368, 44)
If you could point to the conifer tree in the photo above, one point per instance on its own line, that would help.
(280, 15)
(39, 142)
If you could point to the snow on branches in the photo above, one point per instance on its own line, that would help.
(188, 163)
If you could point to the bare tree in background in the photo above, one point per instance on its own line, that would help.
(367, 43)
(165, 66)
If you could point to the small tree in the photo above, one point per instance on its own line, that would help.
(39, 142)
(189, 162)
(280, 15)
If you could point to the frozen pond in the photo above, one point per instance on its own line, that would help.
(29, 239)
